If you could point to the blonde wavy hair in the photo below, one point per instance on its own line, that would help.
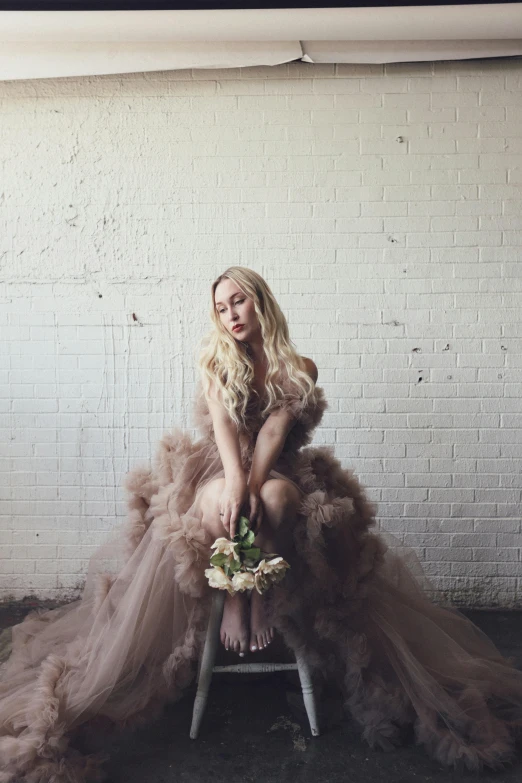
(226, 365)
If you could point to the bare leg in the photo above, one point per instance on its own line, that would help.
(261, 632)
(235, 629)
(270, 539)
(234, 625)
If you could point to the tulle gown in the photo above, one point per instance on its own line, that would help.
(357, 609)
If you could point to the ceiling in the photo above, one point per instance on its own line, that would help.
(81, 39)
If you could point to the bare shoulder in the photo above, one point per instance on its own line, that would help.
(215, 404)
(311, 368)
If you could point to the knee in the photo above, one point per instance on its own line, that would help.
(209, 508)
(280, 498)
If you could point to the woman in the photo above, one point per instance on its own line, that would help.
(250, 368)
(357, 611)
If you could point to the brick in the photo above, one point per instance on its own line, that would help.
(379, 246)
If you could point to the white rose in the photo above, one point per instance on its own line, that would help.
(262, 583)
(217, 578)
(225, 547)
(268, 572)
(274, 568)
(243, 580)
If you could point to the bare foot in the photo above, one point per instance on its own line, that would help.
(234, 625)
(261, 632)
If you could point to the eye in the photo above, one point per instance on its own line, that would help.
(238, 301)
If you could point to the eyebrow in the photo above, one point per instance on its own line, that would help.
(230, 297)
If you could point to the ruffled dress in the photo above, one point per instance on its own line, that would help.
(355, 607)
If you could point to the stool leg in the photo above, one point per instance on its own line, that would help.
(308, 694)
(207, 661)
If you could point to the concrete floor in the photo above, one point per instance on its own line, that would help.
(255, 728)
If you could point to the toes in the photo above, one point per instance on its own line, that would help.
(243, 648)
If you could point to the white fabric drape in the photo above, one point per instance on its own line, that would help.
(40, 44)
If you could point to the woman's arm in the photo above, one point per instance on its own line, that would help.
(235, 492)
(227, 440)
(269, 445)
(272, 437)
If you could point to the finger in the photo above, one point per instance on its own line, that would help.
(254, 515)
(235, 517)
(223, 517)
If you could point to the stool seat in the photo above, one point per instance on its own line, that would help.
(207, 668)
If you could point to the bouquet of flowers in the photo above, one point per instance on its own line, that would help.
(237, 565)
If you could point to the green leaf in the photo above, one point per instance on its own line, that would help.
(249, 539)
(234, 566)
(244, 526)
(252, 554)
(218, 559)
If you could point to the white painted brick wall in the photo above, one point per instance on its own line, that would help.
(383, 206)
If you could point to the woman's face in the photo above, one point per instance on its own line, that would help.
(234, 307)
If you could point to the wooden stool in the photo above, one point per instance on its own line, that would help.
(207, 668)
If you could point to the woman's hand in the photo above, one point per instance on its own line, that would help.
(256, 507)
(232, 500)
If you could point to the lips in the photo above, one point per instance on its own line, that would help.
(238, 327)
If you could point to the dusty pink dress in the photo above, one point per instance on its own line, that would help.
(357, 609)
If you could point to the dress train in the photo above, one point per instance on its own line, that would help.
(354, 604)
